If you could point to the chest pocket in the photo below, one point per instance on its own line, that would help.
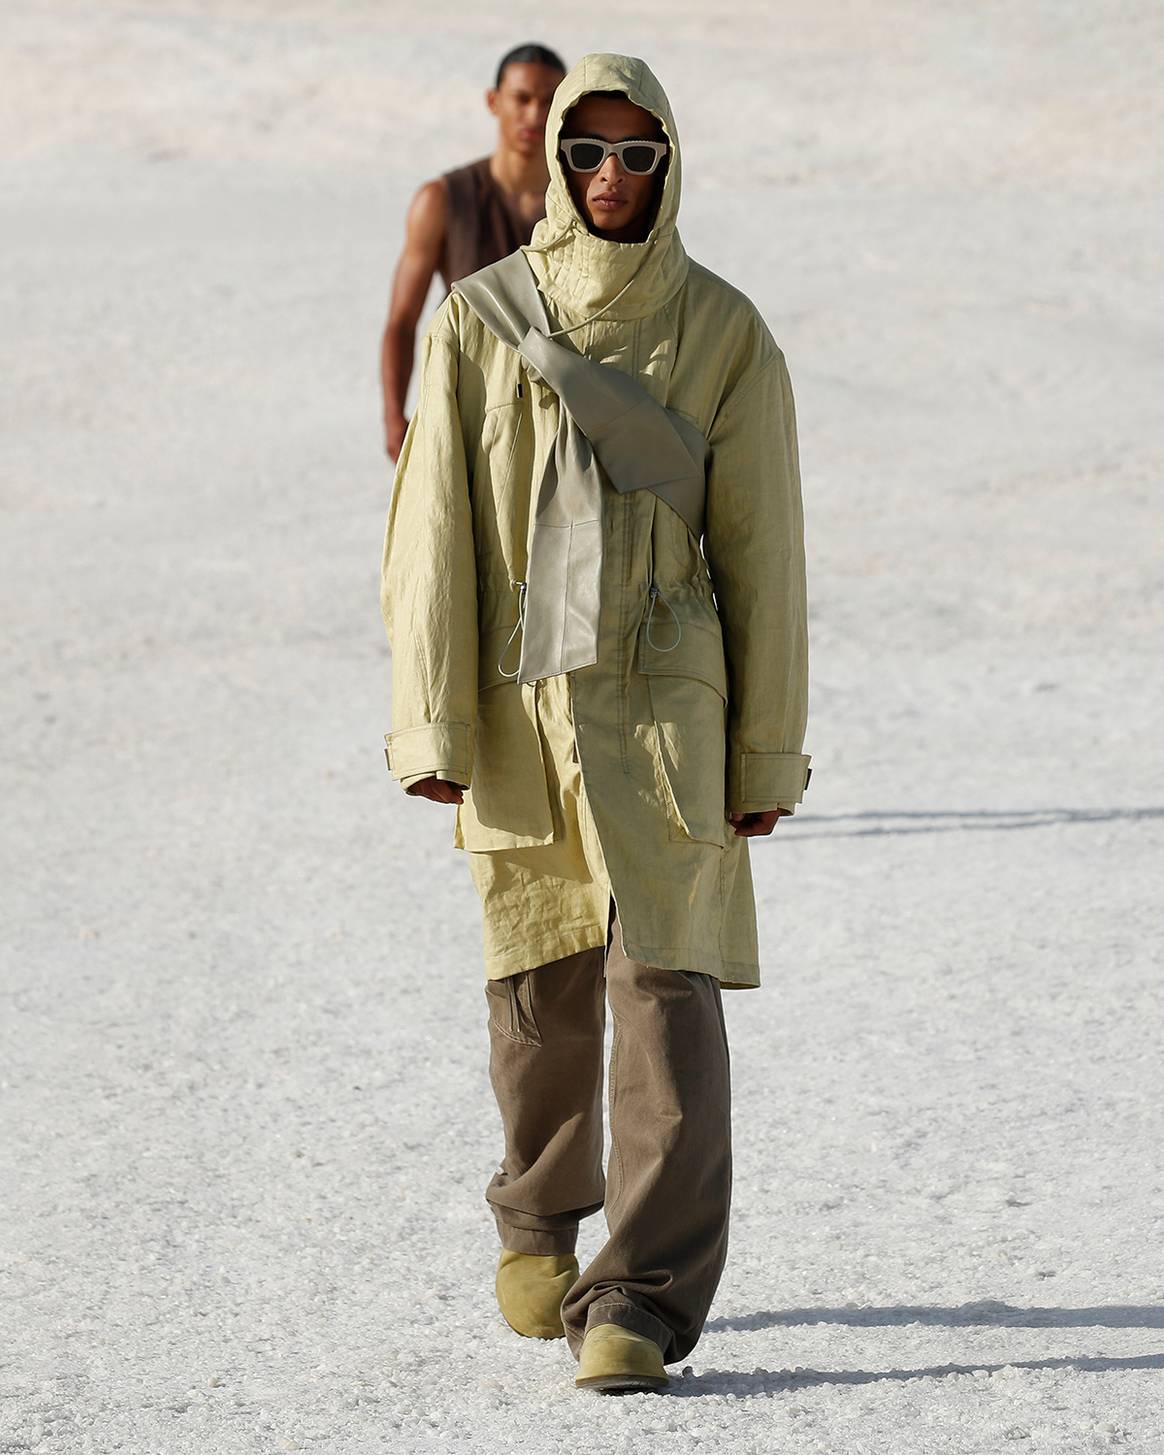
(680, 652)
(508, 804)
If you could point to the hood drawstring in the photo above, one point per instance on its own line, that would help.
(606, 307)
(574, 327)
(657, 595)
(519, 625)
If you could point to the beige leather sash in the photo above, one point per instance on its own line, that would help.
(609, 429)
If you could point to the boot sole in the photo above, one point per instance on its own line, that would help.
(543, 1333)
(623, 1383)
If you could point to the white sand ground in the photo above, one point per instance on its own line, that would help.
(246, 1117)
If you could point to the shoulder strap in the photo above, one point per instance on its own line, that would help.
(505, 297)
(639, 443)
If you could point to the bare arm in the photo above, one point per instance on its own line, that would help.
(424, 235)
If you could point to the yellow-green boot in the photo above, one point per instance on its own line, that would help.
(615, 1360)
(530, 1290)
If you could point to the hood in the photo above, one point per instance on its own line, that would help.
(577, 271)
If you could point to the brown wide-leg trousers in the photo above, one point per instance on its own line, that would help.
(667, 1191)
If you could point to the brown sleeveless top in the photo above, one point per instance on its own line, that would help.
(482, 227)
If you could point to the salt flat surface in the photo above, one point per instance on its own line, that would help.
(246, 1121)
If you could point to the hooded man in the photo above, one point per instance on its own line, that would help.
(594, 591)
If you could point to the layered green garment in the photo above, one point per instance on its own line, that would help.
(614, 778)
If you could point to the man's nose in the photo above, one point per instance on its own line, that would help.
(611, 170)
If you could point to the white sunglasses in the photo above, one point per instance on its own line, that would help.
(587, 154)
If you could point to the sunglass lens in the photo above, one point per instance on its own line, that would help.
(583, 156)
(638, 159)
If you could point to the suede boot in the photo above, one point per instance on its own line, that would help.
(530, 1289)
(615, 1360)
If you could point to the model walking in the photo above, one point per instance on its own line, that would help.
(594, 590)
(471, 216)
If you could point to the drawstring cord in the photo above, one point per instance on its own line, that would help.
(574, 327)
(519, 625)
(657, 595)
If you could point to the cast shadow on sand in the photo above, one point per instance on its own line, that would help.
(786, 1381)
(886, 822)
(986, 1312)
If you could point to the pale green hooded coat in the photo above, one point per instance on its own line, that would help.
(614, 780)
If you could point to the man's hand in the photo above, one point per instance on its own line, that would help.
(750, 825)
(438, 790)
(394, 432)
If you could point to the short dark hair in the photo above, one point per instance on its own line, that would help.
(529, 55)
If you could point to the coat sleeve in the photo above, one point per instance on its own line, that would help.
(428, 592)
(754, 543)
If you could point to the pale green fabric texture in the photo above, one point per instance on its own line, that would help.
(663, 743)
(611, 431)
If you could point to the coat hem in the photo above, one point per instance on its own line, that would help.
(571, 940)
(731, 974)
(568, 940)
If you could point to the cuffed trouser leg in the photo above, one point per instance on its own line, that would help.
(669, 1180)
(545, 1063)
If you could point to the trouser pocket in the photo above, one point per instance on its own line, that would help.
(511, 1008)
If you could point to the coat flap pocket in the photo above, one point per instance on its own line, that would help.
(508, 803)
(683, 639)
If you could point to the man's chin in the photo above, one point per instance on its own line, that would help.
(607, 223)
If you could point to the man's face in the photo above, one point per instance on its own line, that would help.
(521, 105)
(616, 204)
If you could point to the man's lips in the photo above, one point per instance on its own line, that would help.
(608, 201)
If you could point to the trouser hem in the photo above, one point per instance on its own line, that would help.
(629, 1316)
(541, 1241)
